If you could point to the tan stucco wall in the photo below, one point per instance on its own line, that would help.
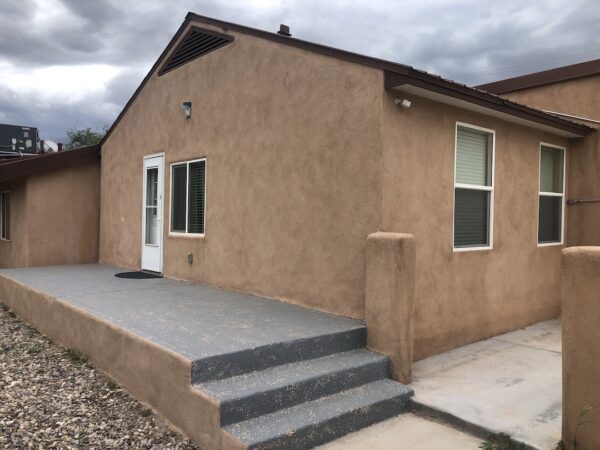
(13, 253)
(308, 155)
(578, 97)
(293, 172)
(581, 353)
(54, 218)
(461, 297)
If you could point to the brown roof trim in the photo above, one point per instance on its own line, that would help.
(29, 165)
(544, 77)
(409, 74)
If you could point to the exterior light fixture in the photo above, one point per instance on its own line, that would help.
(405, 103)
(187, 109)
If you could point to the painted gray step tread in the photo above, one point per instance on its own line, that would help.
(272, 430)
(288, 374)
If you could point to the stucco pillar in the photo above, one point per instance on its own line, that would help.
(389, 300)
(581, 345)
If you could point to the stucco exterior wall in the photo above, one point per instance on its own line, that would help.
(462, 297)
(577, 97)
(293, 172)
(54, 218)
(13, 253)
(306, 156)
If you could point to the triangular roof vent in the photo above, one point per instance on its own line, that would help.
(197, 42)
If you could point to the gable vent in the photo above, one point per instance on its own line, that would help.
(196, 43)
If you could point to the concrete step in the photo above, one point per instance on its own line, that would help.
(262, 357)
(322, 420)
(250, 395)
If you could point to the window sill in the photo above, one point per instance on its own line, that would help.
(471, 249)
(187, 235)
(550, 244)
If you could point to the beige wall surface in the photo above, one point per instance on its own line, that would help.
(581, 353)
(577, 97)
(461, 297)
(54, 218)
(13, 253)
(293, 172)
(306, 156)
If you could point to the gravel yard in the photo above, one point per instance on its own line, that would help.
(51, 398)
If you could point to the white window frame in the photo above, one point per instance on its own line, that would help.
(187, 164)
(489, 189)
(552, 194)
(1, 218)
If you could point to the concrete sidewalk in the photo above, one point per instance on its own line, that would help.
(509, 384)
(406, 432)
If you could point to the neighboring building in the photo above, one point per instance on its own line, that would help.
(49, 208)
(16, 140)
(287, 154)
(572, 92)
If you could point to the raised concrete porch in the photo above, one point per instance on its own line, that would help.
(231, 370)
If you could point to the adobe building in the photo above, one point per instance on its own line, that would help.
(263, 162)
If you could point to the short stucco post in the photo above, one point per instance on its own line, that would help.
(581, 345)
(389, 299)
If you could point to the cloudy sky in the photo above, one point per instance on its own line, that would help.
(75, 63)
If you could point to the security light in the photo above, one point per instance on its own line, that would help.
(187, 109)
(405, 103)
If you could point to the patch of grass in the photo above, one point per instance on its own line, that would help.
(112, 385)
(502, 442)
(12, 314)
(33, 350)
(74, 355)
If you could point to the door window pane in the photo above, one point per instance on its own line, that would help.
(152, 206)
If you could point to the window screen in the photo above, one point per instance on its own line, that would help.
(188, 188)
(178, 198)
(196, 198)
(473, 188)
(5, 215)
(551, 197)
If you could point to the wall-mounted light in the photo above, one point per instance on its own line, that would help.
(405, 103)
(187, 109)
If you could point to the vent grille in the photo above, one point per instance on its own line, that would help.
(196, 43)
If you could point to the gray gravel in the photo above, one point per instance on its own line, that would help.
(52, 398)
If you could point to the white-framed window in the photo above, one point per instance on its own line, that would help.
(188, 197)
(5, 216)
(551, 206)
(473, 188)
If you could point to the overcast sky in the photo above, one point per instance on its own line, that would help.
(75, 63)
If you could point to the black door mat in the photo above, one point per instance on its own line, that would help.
(137, 275)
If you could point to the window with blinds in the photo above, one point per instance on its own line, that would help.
(5, 216)
(188, 195)
(551, 196)
(473, 188)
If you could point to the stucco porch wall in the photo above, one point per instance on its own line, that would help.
(306, 156)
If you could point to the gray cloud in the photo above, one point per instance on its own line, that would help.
(467, 40)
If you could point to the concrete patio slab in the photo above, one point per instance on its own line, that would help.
(507, 384)
(406, 432)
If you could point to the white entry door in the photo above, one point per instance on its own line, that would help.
(152, 213)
